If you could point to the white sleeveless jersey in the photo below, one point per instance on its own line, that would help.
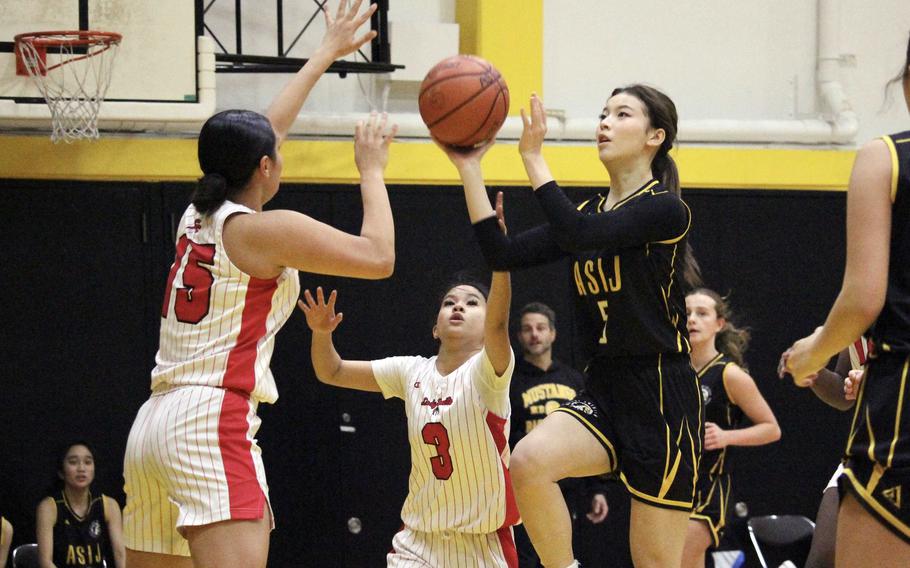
(458, 430)
(218, 324)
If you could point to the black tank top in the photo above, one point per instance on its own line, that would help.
(81, 541)
(720, 410)
(891, 331)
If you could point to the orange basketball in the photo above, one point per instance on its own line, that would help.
(463, 101)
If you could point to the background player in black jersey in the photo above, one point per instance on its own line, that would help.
(729, 394)
(75, 527)
(540, 384)
(874, 519)
(641, 414)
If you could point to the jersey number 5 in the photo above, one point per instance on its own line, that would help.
(602, 304)
(435, 434)
(192, 301)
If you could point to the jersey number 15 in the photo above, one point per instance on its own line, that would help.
(192, 301)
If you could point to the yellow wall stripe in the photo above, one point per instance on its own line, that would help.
(416, 163)
(510, 39)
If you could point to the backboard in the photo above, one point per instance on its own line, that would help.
(157, 60)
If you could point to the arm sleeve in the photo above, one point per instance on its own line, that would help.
(662, 218)
(529, 248)
(493, 389)
(391, 374)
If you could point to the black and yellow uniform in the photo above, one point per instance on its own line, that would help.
(714, 484)
(877, 468)
(81, 541)
(641, 399)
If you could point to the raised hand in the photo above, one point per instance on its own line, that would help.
(852, 383)
(534, 128)
(320, 315)
(339, 39)
(465, 157)
(371, 143)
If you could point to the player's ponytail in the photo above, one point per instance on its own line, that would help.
(231, 145)
(731, 340)
(662, 114)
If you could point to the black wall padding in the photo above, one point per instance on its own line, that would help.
(82, 277)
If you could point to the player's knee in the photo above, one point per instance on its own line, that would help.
(528, 466)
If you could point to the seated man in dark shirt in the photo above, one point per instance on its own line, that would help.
(541, 384)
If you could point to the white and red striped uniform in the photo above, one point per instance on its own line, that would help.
(460, 506)
(192, 457)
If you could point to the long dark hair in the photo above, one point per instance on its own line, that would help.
(731, 340)
(662, 113)
(231, 144)
(57, 484)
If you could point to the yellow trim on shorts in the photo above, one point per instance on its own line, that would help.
(869, 501)
(897, 419)
(715, 531)
(895, 166)
(651, 498)
(611, 451)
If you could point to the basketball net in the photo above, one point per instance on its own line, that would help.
(72, 69)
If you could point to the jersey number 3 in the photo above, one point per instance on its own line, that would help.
(192, 301)
(435, 434)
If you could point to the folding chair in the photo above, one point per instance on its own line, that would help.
(778, 538)
(25, 556)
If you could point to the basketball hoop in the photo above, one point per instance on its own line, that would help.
(72, 69)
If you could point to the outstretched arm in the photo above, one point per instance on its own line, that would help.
(330, 368)
(279, 238)
(496, 324)
(339, 40)
(865, 282)
(530, 146)
(502, 252)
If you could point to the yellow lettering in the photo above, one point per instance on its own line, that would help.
(578, 282)
(592, 280)
(80, 554)
(600, 271)
(603, 313)
(70, 555)
(616, 284)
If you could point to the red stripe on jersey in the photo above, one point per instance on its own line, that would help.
(507, 542)
(241, 364)
(497, 428)
(244, 493)
(862, 350)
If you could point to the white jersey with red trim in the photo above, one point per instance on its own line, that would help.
(218, 323)
(860, 351)
(458, 431)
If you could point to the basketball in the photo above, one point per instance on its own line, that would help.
(463, 101)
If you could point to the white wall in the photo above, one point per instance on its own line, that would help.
(716, 58)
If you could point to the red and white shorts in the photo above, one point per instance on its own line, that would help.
(191, 460)
(417, 549)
